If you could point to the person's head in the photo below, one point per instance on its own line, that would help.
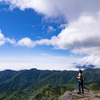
(80, 71)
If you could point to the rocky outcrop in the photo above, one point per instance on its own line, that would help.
(88, 95)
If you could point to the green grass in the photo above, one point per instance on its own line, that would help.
(96, 91)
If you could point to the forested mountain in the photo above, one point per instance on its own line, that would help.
(19, 80)
(11, 94)
(37, 92)
(43, 84)
(7, 74)
(23, 79)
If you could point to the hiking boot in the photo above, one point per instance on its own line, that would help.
(78, 93)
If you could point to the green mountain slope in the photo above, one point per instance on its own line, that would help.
(43, 84)
(22, 79)
(92, 75)
(60, 77)
(37, 92)
(7, 74)
(11, 94)
(43, 92)
(46, 92)
(95, 86)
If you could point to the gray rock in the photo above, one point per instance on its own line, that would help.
(88, 95)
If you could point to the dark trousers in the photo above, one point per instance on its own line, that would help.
(80, 86)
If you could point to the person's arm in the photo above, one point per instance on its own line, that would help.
(79, 76)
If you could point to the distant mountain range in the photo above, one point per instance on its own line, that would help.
(19, 80)
(35, 83)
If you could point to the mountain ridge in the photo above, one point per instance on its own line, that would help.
(20, 80)
(45, 84)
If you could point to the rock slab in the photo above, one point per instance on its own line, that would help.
(72, 95)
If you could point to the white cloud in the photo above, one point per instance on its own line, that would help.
(45, 54)
(41, 66)
(51, 29)
(81, 36)
(63, 26)
(4, 40)
(81, 33)
(87, 50)
(26, 42)
(44, 63)
(53, 8)
(11, 41)
(94, 60)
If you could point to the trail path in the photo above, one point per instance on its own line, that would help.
(88, 95)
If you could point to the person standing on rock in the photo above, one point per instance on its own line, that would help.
(80, 78)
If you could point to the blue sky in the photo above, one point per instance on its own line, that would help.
(49, 34)
(18, 24)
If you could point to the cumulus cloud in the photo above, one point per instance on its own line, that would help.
(52, 8)
(81, 36)
(81, 33)
(26, 42)
(4, 40)
(94, 60)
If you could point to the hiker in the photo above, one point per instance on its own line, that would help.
(80, 78)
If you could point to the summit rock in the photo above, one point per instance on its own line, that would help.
(72, 95)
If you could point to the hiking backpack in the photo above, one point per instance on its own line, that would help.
(82, 77)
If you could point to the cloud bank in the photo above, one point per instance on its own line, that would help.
(44, 63)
